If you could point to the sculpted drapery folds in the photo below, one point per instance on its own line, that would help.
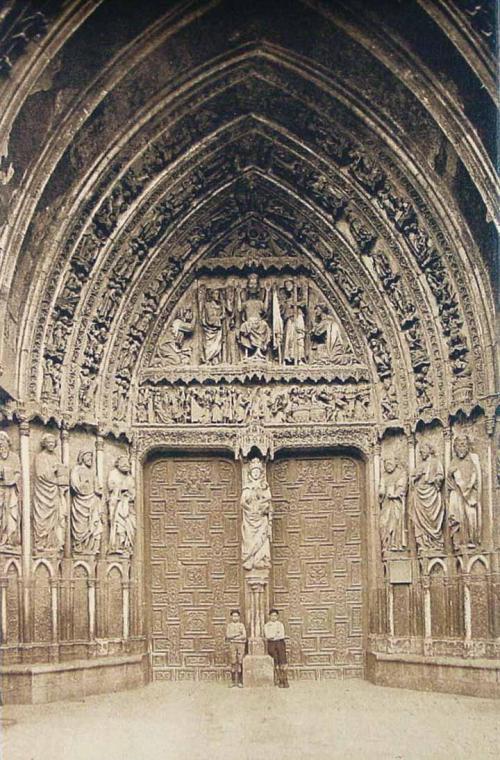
(10, 476)
(293, 309)
(254, 333)
(392, 496)
(86, 523)
(49, 497)
(172, 347)
(121, 502)
(464, 487)
(428, 506)
(257, 519)
(212, 317)
(327, 342)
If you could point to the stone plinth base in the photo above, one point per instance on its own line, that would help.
(453, 675)
(258, 670)
(50, 682)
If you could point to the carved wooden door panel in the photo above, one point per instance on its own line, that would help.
(317, 563)
(195, 564)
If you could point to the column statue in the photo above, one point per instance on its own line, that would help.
(257, 518)
(428, 506)
(464, 487)
(86, 524)
(10, 476)
(392, 496)
(121, 501)
(49, 497)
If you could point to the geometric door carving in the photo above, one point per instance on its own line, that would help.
(194, 546)
(317, 563)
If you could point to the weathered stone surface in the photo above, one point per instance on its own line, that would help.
(258, 670)
(232, 235)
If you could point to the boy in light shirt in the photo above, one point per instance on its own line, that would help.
(236, 635)
(274, 632)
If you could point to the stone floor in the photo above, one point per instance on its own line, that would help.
(319, 721)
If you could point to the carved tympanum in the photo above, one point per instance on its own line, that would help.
(272, 320)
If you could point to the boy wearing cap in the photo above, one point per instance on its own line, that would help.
(236, 635)
(274, 632)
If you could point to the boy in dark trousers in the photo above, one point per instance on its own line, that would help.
(274, 632)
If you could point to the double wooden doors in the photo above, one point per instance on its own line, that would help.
(195, 574)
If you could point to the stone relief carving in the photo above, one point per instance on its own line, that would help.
(240, 404)
(257, 509)
(50, 492)
(427, 512)
(10, 478)
(227, 321)
(174, 347)
(393, 489)
(86, 519)
(123, 189)
(121, 503)
(464, 483)
(30, 25)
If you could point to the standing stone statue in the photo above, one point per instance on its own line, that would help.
(257, 519)
(10, 476)
(428, 506)
(49, 497)
(86, 524)
(392, 496)
(254, 334)
(121, 501)
(212, 315)
(293, 309)
(464, 486)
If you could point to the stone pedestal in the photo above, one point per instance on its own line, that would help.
(258, 670)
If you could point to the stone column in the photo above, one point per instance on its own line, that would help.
(426, 588)
(490, 540)
(66, 624)
(3, 609)
(101, 563)
(257, 586)
(24, 431)
(92, 606)
(126, 609)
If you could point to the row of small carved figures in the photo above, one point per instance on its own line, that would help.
(58, 490)
(227, 405)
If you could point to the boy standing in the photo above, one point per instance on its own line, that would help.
(274, 632)
(236, 635)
